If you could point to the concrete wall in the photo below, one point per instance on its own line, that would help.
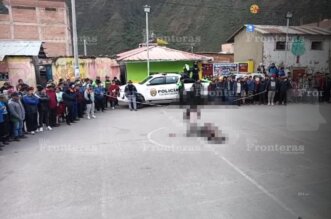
(248, 46)
(138, 71)
(89, 68)
(19, 68)
(313, 60)
(43, 20)
(219, 57)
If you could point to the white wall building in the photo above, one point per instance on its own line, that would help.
(266, 44)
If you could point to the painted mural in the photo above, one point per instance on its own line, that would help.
(89, 68)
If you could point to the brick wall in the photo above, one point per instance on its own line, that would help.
(22, 32)
(24, 15)
(5, 31)
(44, 20)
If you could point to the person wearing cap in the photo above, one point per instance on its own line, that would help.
(31, 102)
(17, 116)
(131, 92)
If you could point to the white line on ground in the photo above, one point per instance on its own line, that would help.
(149, 137)
(239, 171)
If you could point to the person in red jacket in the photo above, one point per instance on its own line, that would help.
(50, 91)
(113, 93)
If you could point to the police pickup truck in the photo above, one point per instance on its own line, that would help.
(161, 88)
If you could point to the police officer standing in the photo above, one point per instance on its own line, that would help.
(195, 71)
(181, 88)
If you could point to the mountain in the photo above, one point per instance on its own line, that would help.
(112, 26)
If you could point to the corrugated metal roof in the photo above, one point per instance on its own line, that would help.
(326, 23)
(19, 48)
(293, 30)
(160, 53)
(281, 30)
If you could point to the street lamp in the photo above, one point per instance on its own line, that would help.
(289, 15)
(74, 35)
(147, 10)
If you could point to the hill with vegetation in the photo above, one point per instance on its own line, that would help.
(112, 26)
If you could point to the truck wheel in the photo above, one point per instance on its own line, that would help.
(140, 101)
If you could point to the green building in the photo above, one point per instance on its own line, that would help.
(162, 60)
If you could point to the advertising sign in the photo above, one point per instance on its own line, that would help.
(243, 67)
(224, 69)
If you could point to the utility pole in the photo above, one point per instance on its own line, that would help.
(289, 15)
(147, 10)
(75, 38)
(85, 48)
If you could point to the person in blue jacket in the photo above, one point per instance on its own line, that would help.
(30, 102)
(273, 70)
(281, 72)
(99, 92)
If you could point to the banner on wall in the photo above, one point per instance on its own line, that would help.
(207, 70)
(224, 69)
(243, 67)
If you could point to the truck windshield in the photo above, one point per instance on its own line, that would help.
(145, 80)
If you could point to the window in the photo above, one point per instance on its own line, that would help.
(24, 7)
(50, 9)
(171, 79)
(145, 80)
(280, 45)
(316, 45)
(157, 81)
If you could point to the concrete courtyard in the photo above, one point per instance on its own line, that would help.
(275, 165)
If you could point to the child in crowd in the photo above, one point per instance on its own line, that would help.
(89, 100)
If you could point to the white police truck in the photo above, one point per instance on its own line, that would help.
(160, 88)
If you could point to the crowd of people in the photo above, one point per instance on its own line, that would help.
(272, 87)
(28, 110)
